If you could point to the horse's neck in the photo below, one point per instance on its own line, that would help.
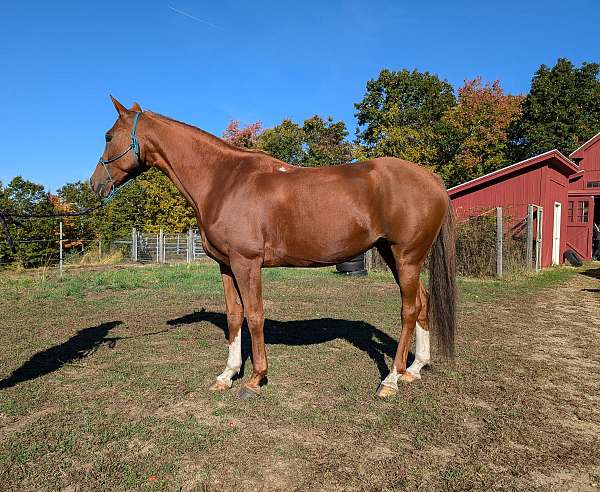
(190, 158)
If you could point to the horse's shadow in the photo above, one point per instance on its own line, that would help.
(79, 346)
(375, 343)
(84, 343)
(592, 272)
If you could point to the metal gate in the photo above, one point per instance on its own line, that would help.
(166, 248)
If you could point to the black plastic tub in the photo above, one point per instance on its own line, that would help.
(354, 266)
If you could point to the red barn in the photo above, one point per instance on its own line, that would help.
(568, 191)
(542, 180)
(584, 197)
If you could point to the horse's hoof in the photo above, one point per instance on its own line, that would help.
(385, 391)
(246, 393)
(409, 377)
(219, 386)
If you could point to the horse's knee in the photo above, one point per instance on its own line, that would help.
(255, 321)
(235, 318)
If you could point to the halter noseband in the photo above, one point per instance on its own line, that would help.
(135, 146)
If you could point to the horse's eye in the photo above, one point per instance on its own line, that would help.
(108, 137)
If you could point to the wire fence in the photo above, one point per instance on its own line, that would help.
(492, 242)
(138, 247)
(489, 242)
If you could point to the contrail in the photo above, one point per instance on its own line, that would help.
(193, 17)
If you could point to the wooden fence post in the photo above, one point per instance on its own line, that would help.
(161, 249)
(134, 255)
(499, 241)
(158, 248)
(369, 259)
(60, 246)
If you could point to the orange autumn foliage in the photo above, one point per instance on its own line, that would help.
(477, 130)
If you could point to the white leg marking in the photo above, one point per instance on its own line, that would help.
(234, 360)
(392, 379)
(421, 352)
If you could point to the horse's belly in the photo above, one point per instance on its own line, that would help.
(319, 244)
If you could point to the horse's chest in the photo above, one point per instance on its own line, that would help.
(212, 250)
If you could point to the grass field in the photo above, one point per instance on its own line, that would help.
(104, 378)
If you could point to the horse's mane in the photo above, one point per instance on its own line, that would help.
(209, 136)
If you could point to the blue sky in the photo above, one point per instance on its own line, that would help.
(209, 62)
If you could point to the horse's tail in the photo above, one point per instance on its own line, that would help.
(442, 285)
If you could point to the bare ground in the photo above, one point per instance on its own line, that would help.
(106, 390)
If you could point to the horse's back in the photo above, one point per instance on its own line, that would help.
(323, 215)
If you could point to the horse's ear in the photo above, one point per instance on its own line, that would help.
(136, 107)
(118, 106)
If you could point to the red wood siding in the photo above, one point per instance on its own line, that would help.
(557, 187)
(580, 233)
(577, 183)
(590, 163)
(513, 192)
(541, 184)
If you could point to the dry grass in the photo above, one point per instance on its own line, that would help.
(105, 377)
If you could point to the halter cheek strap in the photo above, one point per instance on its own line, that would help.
(135, 146)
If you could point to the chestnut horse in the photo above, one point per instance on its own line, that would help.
(255, 211)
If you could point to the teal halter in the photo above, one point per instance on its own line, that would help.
(135, 146)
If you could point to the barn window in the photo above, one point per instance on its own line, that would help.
(582, 211)
(593, 184)
(571, 207)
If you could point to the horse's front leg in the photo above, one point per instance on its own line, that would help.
(235, 319)
(248, 278)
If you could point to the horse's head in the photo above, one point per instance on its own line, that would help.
(122, 159)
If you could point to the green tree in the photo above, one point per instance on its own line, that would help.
(150, 203)
(113, 221)
(36, 240)
(284, 142)
(75, 197)
(164, 206)
(325, 142)
(561, 111)
(318, 142)
(400, 113)
(472, 136)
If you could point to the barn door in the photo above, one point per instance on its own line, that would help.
(556, 234)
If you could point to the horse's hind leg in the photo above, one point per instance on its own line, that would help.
(235, 319)
(406, 268)
(422, 352)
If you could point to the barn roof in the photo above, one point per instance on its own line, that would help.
(554, 157)
(578, 153)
